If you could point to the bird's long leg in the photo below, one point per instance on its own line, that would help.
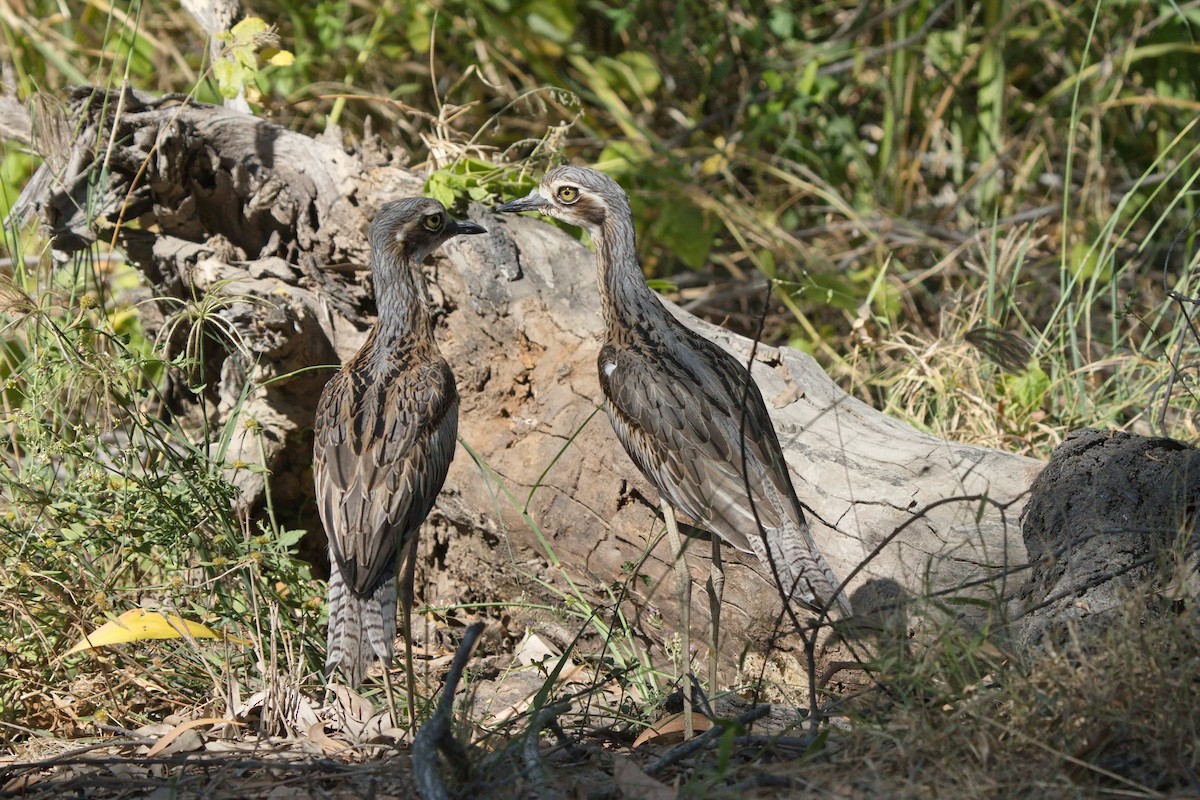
(716, 587)
(390, 693)
(406, 603)
(683, 588)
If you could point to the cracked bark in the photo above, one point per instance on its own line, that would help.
(231, 205)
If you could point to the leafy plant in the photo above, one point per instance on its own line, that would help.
(245, 43)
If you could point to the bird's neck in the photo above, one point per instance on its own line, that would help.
(402, 319)
(624, 295)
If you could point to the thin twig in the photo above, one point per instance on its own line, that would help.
(870, 54)
(780, 742)
(1182, 300)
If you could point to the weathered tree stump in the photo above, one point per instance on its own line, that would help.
(240, 213)
(1109, 515)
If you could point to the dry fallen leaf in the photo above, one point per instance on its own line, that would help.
(670, 728)
(291, 706)
(316, 734)
(165, 741)
(349, 705)
(357, 718)
(634, 783)
(186, 741)
(22, 782)
(533, 649)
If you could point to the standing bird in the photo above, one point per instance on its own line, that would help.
(385, 435)
(689, 416)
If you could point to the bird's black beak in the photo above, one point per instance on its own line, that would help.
(530, 202)
(457, 228)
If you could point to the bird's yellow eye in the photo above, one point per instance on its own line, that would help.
(433, 222)
(568, 194)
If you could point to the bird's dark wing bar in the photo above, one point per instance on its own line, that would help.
(382, 455)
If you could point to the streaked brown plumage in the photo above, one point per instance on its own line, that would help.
(385, 435)
(681, 407)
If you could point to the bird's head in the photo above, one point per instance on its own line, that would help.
(577, 196)
(414, 227)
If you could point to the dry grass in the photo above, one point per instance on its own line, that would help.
(1113, 715)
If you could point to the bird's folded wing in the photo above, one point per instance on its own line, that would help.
(686, 434)
(382, 450)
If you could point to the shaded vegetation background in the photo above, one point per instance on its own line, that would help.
(976, 215)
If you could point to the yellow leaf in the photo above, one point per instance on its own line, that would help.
(248, 28)
(139, 624)
(714, 164)
(279, 58)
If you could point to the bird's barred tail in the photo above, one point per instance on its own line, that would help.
(361, 627)
(802, 569)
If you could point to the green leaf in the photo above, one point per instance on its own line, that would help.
(290, 538)
(765, 261)
(229, 77)
(621, 159)
(553, 19)
(685, 229)
(1084, 263)
(781, 22)
(1029, 389)
(439, 189)
(247, 58)
(808, 78)
(642, 70)
(629, 75)
(545, 28)
(832, 289)
(417, 31)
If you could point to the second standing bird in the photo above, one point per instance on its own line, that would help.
(385, 434)
(687, 414)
